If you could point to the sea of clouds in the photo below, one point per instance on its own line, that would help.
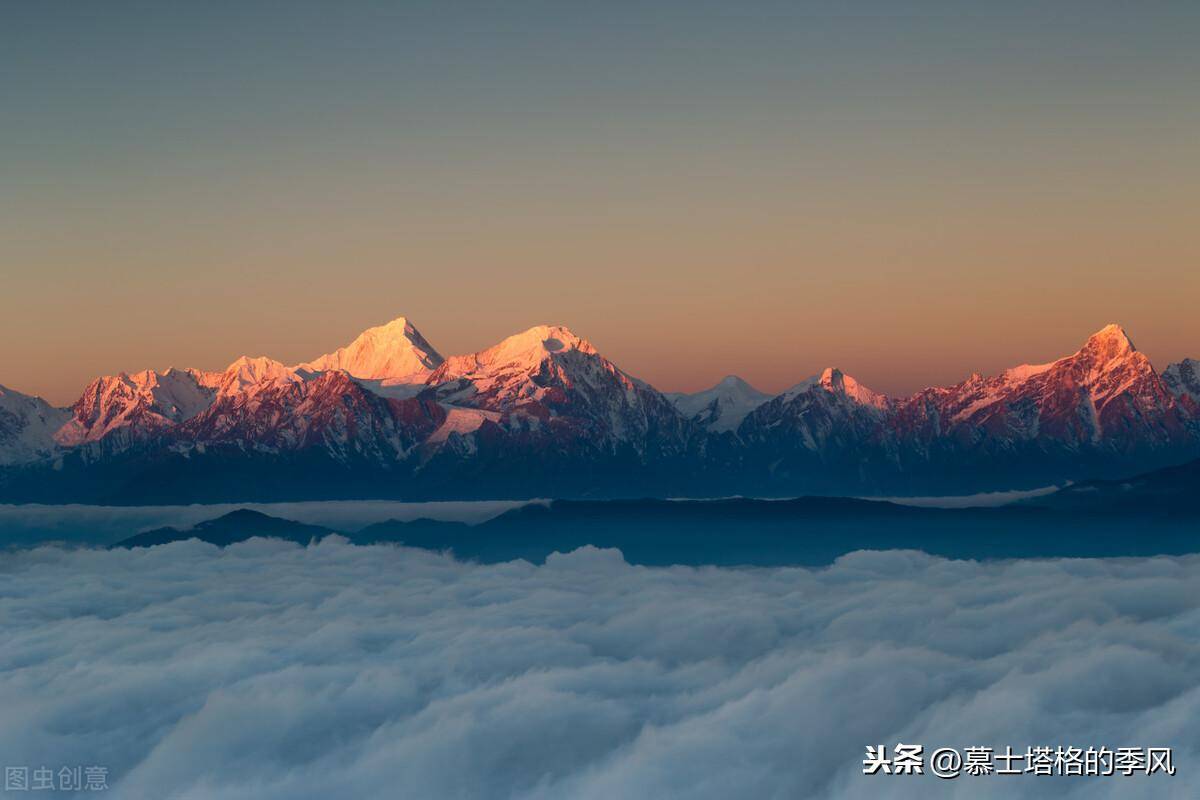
(268, 670)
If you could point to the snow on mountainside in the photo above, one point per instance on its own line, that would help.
(121, 410)
(543, 409)
(547, 381)
(461, 421)
(393, 353)
(138, 406)
(527, 366)
(331, 412)
(27, 427)
(721, 407)
(1088, 413)
(1183, 379)
(828, 412)
(1105, 394)
(833, 381)
(254, 374)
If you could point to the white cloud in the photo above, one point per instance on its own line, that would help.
(982, 500)
(267, 670)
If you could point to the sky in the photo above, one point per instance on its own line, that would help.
(908, 191)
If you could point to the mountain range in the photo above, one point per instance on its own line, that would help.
(1084, 520)
(544, 413)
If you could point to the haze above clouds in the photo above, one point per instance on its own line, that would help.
(268, 670)
(698, 188)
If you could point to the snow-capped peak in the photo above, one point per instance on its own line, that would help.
(735, 384)
(533, 345)
(1183, 379)
(1105, 351)
(396, 352)
(521, 352)
(1108, 363)
(542, 362)
(27, 426)
(834, 381)
(721, 407)
(141, 402)
(1109, 343)
(249, 372)
(1107, 368)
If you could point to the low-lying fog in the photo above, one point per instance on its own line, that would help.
(269, 670)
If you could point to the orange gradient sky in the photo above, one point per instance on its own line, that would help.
(911, 197)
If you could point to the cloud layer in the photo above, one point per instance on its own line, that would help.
(267, 670)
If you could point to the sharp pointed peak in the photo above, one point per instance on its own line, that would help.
(393, 350)
(1111, 338)
(397, 322)
(835, 381)
(399, 331)
(835, 378)
(830, 374)
(399, 325)
(1112, 328)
